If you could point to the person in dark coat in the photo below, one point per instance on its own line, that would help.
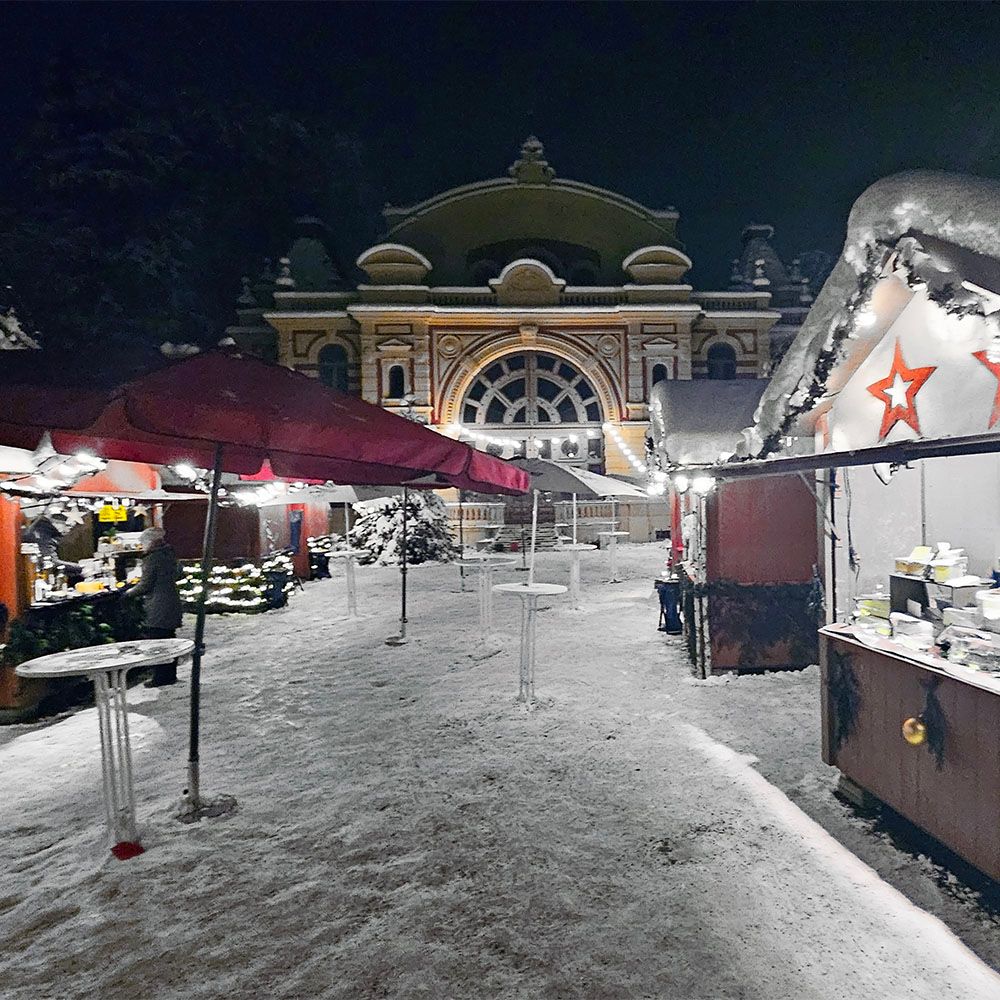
(158, 588)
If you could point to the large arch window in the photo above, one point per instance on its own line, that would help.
(529, 389)
(722, 361)
(333, 366)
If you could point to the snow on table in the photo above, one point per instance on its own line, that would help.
(406, 830)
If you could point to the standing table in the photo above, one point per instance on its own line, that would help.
(529, 594)
(349, 555)
(485, 565)
(107, 666)
(575, 548)
(612, 537)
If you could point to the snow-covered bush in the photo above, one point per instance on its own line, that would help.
(379, 529)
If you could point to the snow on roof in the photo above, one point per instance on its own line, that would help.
(929, 207)
(696, 421)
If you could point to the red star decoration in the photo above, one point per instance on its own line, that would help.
(994, 366)
(888, 391)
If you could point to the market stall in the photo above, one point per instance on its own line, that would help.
(70, 537)
(894, 380)
(744, 554)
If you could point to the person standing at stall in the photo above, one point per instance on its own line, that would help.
(158, 588)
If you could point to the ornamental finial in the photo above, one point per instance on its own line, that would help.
(531, 168)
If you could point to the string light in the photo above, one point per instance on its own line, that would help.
(185, 470)
(634, 459)
(555, 441)
(503, 442)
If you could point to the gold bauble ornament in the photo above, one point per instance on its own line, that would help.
(915, 732)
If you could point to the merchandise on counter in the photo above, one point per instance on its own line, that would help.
(911, 632)
(916, 562)
(875, 604)
(948, 563)
(988, 606)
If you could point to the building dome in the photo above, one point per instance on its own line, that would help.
(581, 232)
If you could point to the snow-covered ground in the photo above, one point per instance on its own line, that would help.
(407, 830)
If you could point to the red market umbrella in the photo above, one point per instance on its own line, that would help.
(231, 414)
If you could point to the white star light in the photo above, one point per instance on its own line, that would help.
(897, 391)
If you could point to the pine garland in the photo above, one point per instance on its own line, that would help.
(244, 589)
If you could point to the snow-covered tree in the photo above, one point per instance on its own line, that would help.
(13, 336)
(379, 529)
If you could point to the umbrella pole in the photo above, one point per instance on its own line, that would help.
(534, 532)
(461, 536)
(400, 640)
(208, 547)
(402, 571)
(347, 524)
(574, 519)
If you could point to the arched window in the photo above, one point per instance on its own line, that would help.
(659, 373)
(531, 388)
(397, 382)
(333, 367)
(722, 361)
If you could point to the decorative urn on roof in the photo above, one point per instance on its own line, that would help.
(532, 167)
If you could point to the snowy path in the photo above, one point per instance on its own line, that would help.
(406, 830)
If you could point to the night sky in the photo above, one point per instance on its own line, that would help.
(767, 112)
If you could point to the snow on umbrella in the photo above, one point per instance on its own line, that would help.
(554, 477)
(224, 412)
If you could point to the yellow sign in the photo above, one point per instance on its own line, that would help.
(109, 513)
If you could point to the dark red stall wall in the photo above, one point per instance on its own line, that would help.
(761, 534)
(762, 531)
(315, 521)
(237, 531)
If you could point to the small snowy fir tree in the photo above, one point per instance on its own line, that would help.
(379, 529)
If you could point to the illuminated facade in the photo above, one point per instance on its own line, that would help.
(528, 313)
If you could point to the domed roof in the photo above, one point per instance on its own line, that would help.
(572, 227)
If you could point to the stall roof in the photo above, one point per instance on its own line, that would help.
(897, 453)
(955, 218)
(696, 421)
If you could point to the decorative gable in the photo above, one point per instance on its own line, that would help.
(527, 282)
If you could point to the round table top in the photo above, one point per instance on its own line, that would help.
(612, 534)
(576, 547)
(347, 552)
(529, 589)
(486, 561)
(111, 656)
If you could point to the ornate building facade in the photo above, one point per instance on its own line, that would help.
(527, 313)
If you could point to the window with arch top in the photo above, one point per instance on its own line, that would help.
(333, 366)
(659, 374)
(397, 382)
(722, 361)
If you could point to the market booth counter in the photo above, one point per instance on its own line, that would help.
(909, 727)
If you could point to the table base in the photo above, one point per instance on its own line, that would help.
(574, 582)
(116, 761)
(352, 592)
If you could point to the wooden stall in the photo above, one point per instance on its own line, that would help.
(946, 784)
